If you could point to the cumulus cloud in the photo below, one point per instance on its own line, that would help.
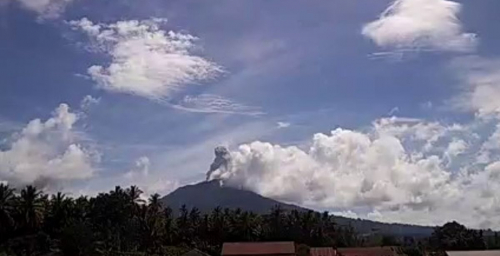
(141, 168)
(145, 60)
(46, 152)
(88, 102)
(209, 103)
(46, 9)
(420, 24)
(398, 168)
(141, 176)
(456, 147)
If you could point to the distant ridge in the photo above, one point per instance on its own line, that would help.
(210, 194)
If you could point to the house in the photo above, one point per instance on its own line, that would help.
(259, 249)
(368, 251)
(322, 251)
(473, 253)
(195, 252)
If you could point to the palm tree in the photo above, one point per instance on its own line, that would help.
(275, 224)
(60, 210)
(194, 221)
(169, 225)
(6, 208)
(151, 224)
(154, 202)
(217, 229)
(31, 207)
(182, 223)
(80, 208)
(134, 193)
(245, 227)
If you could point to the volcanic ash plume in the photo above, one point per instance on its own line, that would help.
(221, 162)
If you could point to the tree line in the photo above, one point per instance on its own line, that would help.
(119, 222)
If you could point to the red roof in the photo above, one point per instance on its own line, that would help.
(368, 251)
(322, 251)
(264, 248)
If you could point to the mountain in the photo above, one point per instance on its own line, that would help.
(208, 195)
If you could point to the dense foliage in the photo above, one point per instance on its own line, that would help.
(453, 236)
(121, 223)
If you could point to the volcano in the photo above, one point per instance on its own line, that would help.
(210, 194)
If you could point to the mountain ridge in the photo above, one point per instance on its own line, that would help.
(208, 195)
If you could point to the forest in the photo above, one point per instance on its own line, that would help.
(120, 222)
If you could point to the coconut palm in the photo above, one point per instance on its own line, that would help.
(135, 193)
(7, 200)
(154, 202)
(59, 212)
(31, 208)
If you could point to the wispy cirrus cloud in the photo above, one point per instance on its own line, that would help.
(209, 103)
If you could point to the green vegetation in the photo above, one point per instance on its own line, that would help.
(121, 223)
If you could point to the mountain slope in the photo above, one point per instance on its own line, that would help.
(208, 195)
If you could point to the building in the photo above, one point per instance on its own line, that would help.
(322, 251)
(473, 253)
(368, 251)
(259, 249)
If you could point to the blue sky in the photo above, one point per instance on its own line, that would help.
(149, 88)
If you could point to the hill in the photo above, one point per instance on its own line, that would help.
(208, 195)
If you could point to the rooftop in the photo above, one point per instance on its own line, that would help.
(263, 248)
(473, 253)
(368, 251)
(322, 251)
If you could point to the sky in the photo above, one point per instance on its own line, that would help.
(386, 110)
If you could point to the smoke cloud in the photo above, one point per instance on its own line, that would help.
(221, 163)
(399, 169)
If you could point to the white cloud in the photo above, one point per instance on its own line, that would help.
(347, 214)
(141, 168)
(150, 183)
(145, 60)
(393, 111)
(8, 125)
(399, 169)
(482, 85)
(420, 24)
(456, 147)
(426, 105)
(282, 125)
(209, 103)
(45, 152)
(88, 102)
(45, 8)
